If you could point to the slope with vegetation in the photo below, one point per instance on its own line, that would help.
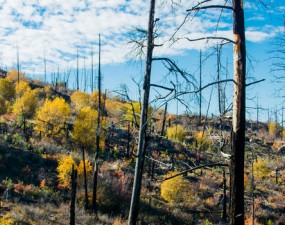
(186, 175)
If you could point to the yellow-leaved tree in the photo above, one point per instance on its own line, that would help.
(51, 119)
(175, 190)
(176, 132)
(7, 90)
(80, 99)
(64, 170)
(272, 128)
(13, 75)
(94, 99)
(133, 112)
(203, 141)
(21, 88)
(85, 126)
(80, 170)
(26, 104)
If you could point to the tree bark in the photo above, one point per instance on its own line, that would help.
(238, 135)
(95, 175)
(163, 122)
(73, 195)
(85, 179)
(134, 207)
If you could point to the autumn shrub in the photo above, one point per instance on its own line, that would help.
(7, 90)
(64, 169)
(94, 97)
(12, 75)
(261, 169)
(79, 100)
(176, 132)
(52, 117)
(21, 88)
(6, 219)
(202, 141)
(114, 191)
(26, 104)
(85, 127)
(175, 190)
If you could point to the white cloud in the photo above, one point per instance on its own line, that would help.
(57, 27)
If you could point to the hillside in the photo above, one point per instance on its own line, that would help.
(44, 131)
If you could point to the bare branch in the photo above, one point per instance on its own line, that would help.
(209, 7)
(196, 168)
(214, 38)
(255, 82)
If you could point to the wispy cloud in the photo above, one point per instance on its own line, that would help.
(57, 27)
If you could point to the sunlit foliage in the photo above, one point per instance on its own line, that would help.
(80, 99)
(26, 104)
(176, 133)
(21, 88)
(175, 190)
(7, 90)
(64, 170)
(85, 127)
(51, 118)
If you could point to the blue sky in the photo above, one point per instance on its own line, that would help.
(57, 27)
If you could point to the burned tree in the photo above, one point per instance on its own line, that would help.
(134, 208)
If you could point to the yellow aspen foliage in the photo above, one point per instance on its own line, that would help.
(114, 108)
(175, 190)
(272, 128)
(94, 99)
(203, 140)
(261, 169)
(52, 117)
(85, 127)
(13, 75)
(80, 170)
(64, 170)
(26, 104)
(130, 112)
(21, 88)
(176, 133)
(7, 90)
(6, 219)
(80, 99)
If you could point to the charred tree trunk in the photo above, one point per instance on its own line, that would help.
(85, 179)
(200, 87)
(73, 195)
(163, 122)
(134, 207)
(128, 143)
(95, 175)
(238, 134)
(77, 70)
(224, 217)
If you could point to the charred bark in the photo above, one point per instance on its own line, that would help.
(134, 207)
(238, 134)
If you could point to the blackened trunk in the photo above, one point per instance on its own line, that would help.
(73, 195)
(85, 179)
(95, 175)
(134, 208)
(238, 134)
(163, 122)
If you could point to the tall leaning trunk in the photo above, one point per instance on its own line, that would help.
(96, 167)
(238, 135)
(134, 208)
